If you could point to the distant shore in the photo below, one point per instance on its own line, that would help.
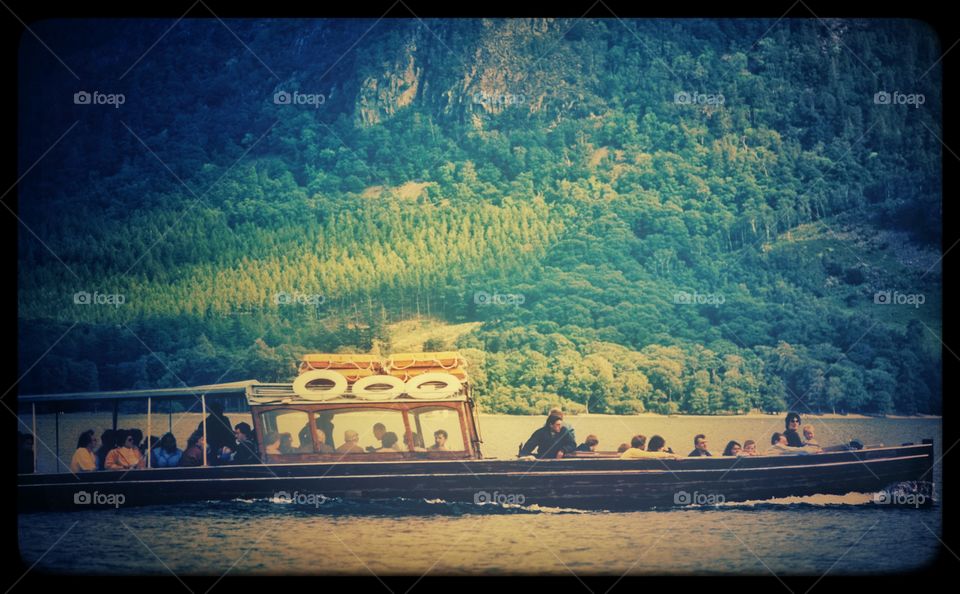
(751, 415)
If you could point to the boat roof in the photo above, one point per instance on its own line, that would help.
(226, 388)
(257, 393)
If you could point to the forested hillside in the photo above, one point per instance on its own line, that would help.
(673, 216)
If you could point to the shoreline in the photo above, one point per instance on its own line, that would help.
(752, 415)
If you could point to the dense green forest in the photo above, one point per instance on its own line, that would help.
(672, 216)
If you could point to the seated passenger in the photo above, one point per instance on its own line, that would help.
(556, 412)
(417, 442)
(166, 454)
(322, 446)
(658, 444)
(390, 443)
(350, 443)
(439, 440)
(553, 440)
(733, 449)
(700, 446)
(590, 445)
(126, 456)
(246, 445)
(779, 447)
(271, 444)
(286, 444)
(791, 432)
(84, 459)
(749, 448)
(193, 455)
(623, 447)
(809, 437)
(379, 430)
(107, 443)
(637, 450)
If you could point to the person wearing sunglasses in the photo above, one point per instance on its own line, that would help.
(126, 456)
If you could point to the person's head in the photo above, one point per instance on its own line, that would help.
(638, 441)
(321, 436)
(137, 437)
(108, 439)
(750, 446)
(379, 430)
(196, 439)
(555, 423)
(792, 421)
(622, 448)
(351, 436)
(656, 444)
(778, 438)
(168, 443)
(215, 407)
(286, 440)
(592, 442)
(125, 439)
(271, 439)
(733, 448)
(440, 437)
(243, 431)
(555, 412)
(86, 439)
(808, 432)
(390, 439)
(700, 442)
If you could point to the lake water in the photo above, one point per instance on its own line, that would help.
(841, 534)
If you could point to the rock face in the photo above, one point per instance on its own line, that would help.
(381, 96)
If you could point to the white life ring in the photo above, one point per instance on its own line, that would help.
(372, 387)
(320, 393)
(425, 385)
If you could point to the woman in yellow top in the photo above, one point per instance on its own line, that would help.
(125, 456)
(85, 458)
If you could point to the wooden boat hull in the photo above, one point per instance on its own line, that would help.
(588, 483)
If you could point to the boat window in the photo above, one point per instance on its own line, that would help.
(370, 424)
(429, 421)
(293, 428)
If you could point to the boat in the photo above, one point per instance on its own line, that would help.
(322, 404)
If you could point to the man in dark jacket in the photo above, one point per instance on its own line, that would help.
(246, 449)
(553, 440)
(700, 446)
(219, 430)
(792, 433)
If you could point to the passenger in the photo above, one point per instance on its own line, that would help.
(325, 422)
(749, 448)
(154, 443)
(809, 437)
(84, 459)
(166, 454)
(792, 423)
(623, 447)
(350, 443)
(322, 446)
(246, 445)
(286, 444)
(556, 412)
(637, 450)
(193, 455)
(138, 440)
(700, 446)
(389, 441)
(219, 428)
(324, 428)
(779, 447)
(271, 444)
(126, 456)
(553, 440)
(733, 449)
(590, 445)
(417, 442)
(379, 430)
(658, 444)
(107, 442)
(439, 440)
